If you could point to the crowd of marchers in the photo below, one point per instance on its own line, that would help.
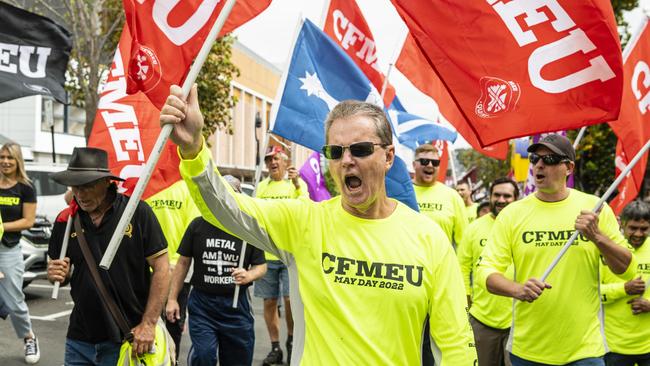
(191, 252)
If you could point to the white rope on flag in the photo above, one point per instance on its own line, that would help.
(114, 244)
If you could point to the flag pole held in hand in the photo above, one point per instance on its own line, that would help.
(64, 250)
(241, 265)
(597, 208)
(145, 176)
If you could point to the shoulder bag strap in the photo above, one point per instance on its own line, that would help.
(99, 284)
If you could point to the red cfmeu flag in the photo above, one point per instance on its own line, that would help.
(628, 190)
(415, 67)
(443, 153)
(516, 68)
(346, 25)
(167, 36)
(633, 125)
(126, 126)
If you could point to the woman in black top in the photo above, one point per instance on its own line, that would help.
(18, 210)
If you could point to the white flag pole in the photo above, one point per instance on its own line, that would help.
(598, 206)
(114, 244)
(581, 134)
(241, 265)
(64, 250)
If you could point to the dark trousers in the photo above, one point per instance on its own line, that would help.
(427, 355)
(490, 344)
(592, 361)
(217, 328)
(175, 329)
(617, 359)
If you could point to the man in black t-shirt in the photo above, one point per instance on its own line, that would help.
(215, 326)
(93, 336)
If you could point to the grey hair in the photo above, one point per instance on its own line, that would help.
(350, 108)
(234, 182)
(637, 211)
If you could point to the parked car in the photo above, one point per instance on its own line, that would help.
(49, 203)
(34, 247)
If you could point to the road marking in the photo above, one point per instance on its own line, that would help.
(52, 317)
(49, 286)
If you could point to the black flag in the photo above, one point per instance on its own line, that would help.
(34, 53)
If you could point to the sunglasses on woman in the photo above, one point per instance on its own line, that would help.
(425, 162)
(549, 159)
(358, 150)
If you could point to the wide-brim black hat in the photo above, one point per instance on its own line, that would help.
(87, 164)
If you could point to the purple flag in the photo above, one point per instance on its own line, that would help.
(530, 182)
(312, 174)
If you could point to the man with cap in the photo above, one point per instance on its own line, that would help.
(138, 280)
(283, 182)
(554, 322)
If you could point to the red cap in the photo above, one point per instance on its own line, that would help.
(272, 150)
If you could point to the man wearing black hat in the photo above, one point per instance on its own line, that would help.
(558, 325)
(93, 336)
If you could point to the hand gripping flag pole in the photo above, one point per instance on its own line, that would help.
(235, 297)
(598, 206)
(64, 250)
(114, 244)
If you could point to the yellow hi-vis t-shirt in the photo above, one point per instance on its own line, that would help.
(470, 212)
(360, 289)
(443, 205)
(280, 189)
(492, 310)
(562, 325)
(174, 210)
(626, 333)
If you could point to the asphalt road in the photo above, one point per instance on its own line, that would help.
(50, 323)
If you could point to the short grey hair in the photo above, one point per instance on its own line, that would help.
(350, 108)
(234, 182)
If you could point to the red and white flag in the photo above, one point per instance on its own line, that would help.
(415, 67)
(633, 125)
(519, 67)
(167, 36)
(443, 153)
(346, 25)
(127, 126)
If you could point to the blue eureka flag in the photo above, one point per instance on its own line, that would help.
(412, 130)
(321, 75)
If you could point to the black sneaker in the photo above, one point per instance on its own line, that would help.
(289, 345)
(273, 358)
(32, 353)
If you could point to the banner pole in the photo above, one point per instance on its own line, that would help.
(114, 244)
(64, 251)
(598, 206)
(581, 134)
(241, 265)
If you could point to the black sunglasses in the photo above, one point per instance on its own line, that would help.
(549, 159)
(358, 150)
(425, 162)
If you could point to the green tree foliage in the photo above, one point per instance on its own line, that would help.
(96, 26)
(214, 87)
(595, 155)
(488, 169)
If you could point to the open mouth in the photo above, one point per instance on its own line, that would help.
(352, 182)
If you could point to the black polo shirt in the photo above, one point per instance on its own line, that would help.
(215, 254)
(127, 280)
(11, 208)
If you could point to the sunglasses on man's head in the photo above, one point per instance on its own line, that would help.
(549, 159)
(358, 150)
(425, 162)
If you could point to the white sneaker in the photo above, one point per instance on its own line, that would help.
(32, 353)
